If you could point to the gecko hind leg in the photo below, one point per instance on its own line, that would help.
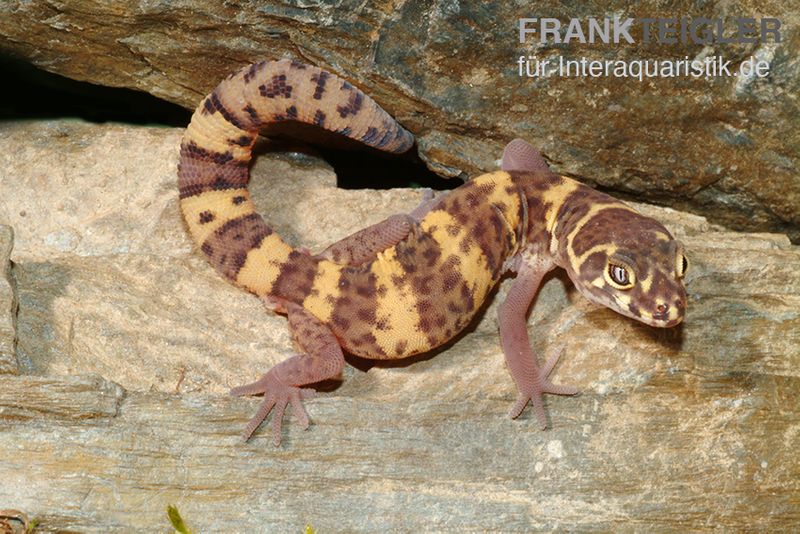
(322, 359)
(363, 246)
(520, 155)
(532, 382)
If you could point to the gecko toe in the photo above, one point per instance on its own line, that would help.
(519, 406)
(538, 410)
(298, 409)
(261, 414)
(277, 421)
(559, 389)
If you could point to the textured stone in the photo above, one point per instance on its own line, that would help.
(8, 304)
(724, 147)
(664, 415)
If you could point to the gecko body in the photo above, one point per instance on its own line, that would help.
(410, 283)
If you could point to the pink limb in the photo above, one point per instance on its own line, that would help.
(532, 382)
(364, 245)
(520, 155)
(322, 359)
(425, 205)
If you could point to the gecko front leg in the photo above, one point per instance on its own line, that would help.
(532, 382)
(322, 359)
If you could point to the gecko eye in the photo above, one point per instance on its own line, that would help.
(620, 276)
(681, 263)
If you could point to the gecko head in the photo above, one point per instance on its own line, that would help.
(631, 264)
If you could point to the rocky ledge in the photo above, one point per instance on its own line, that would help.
(113, 399)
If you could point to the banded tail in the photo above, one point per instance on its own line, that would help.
(215, 154)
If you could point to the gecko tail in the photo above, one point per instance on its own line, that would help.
(213, 172)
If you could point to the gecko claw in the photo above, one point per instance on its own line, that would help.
(277, 396)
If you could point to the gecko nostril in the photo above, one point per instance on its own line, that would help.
(661, 311)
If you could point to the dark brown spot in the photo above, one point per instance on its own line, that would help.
(366, 290)
(431, 256)
(358, 306)
(225, 112)
(423, 285)
(238, 199)
(450, 281)
(253, 114)
(424, 325)
(353, 105)
(253, 70)
(228, 246)
(367, 315)
(296, 276)
(206, 217)
(201, 170)
(320, 79)
(243, 140)
(366, 340)
(319, 118)
(340, 322)
(276, 87)
(370, 135)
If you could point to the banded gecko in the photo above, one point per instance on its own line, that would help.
(413, 281)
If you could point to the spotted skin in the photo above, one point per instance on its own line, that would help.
(412, 282)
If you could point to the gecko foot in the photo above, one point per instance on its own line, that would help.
(277, 395)
(535, 390)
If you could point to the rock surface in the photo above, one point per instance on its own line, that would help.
(8, 304)
(726, 147)
(126, 355)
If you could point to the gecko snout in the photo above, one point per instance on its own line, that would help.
(668, 315)
(662, 311)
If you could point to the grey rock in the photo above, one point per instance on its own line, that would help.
(8, 304)
(128, 342)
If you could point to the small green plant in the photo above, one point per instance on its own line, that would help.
(181, 528)
(176, 520)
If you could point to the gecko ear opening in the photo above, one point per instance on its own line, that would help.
(619, 275)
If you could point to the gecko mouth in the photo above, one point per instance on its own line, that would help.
(661, 322)
(666, 316)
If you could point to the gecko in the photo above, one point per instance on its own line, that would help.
(412, 282)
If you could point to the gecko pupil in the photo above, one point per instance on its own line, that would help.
(619, 275)
(685, 265)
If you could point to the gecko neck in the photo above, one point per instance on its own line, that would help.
(573, 219)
